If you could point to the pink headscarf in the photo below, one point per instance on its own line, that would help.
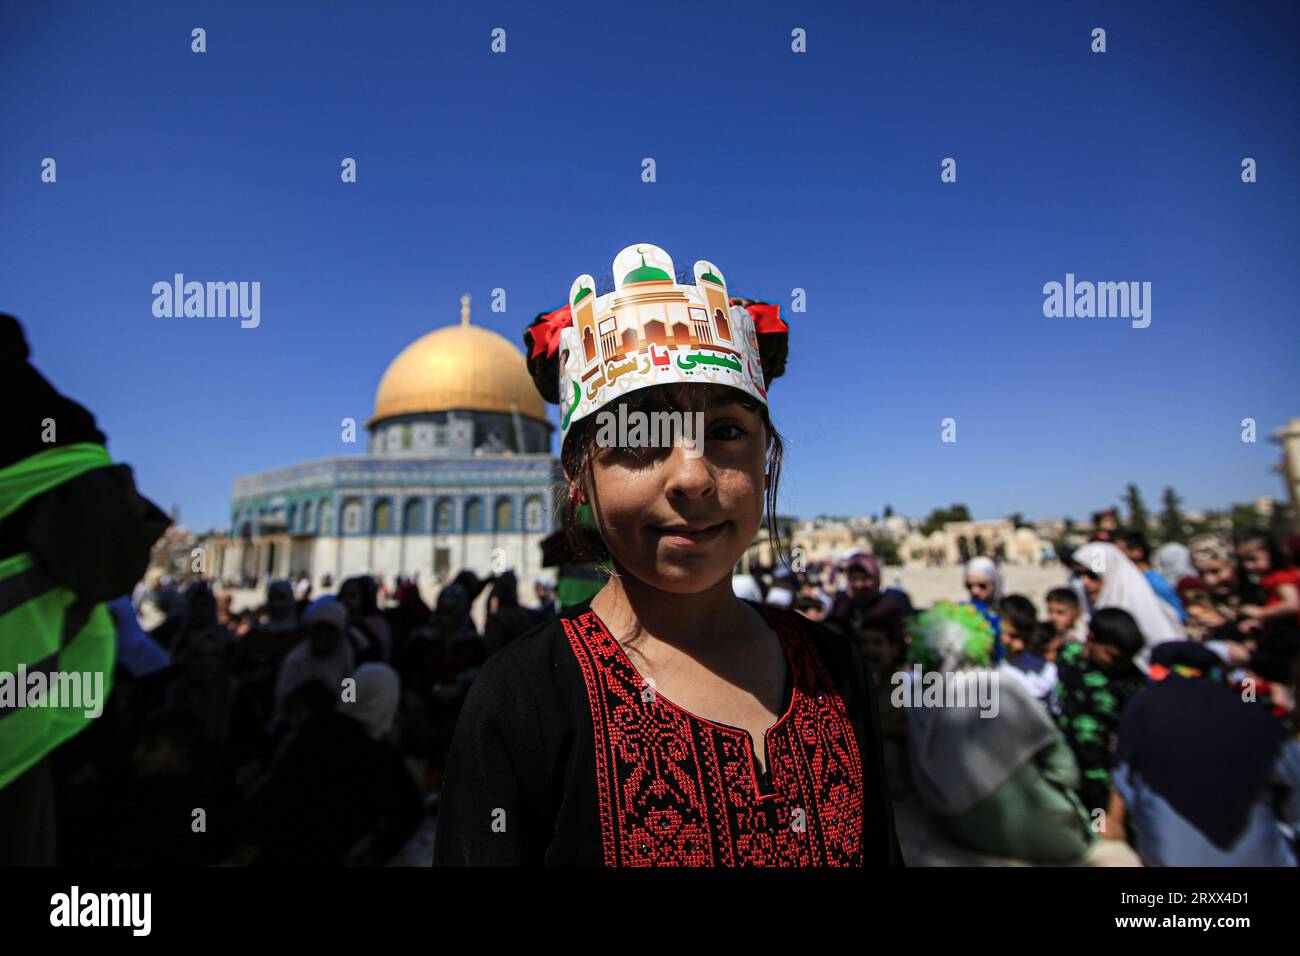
(863, 562)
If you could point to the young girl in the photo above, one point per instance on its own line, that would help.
(1261, 557)
(665, 722)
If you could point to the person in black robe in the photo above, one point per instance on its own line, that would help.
(91, 534)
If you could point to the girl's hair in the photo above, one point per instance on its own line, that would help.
(1277, 558)
(579, 454)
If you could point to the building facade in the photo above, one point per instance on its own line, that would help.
(458, 475)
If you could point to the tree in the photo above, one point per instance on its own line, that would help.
(889, 512)
(1282, 521)
(1017, 520)
(1171, 519)
(1244, 518)
(885, 549)
(941, 516)
(1138, 519)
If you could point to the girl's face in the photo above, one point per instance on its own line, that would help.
(1220, 577)
(863, 585)
(981, 589)
(679, 522)
(1091, 583)
(1254, 558)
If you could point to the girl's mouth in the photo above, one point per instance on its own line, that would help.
(686, 536)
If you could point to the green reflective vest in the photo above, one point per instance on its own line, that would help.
(43, 627)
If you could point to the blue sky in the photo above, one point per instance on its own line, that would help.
(818, 171)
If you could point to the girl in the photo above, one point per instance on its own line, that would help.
(665, 722)
(1268, 565)
(1213, 599)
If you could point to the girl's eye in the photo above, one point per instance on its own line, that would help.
(729, 431)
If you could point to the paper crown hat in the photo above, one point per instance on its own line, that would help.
(650, 331)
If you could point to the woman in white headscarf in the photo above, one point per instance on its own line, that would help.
(1174, 562)
(1112, 580)
(377, 692)
(983, 581)
(982, 572)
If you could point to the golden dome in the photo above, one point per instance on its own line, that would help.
(459, 366)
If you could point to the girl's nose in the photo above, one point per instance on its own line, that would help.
(689, 474)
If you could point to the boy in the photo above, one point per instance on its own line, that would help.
(1097, 679)
(1020, 633)
(1066, 617)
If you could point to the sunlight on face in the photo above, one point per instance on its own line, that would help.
(714, 501)
(981, 589)
(1061, 615)
(1219, 577)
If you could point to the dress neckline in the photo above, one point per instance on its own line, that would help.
(779, 628)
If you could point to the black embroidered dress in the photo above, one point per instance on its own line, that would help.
(563, 755)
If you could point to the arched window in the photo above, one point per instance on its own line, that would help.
(413, 516)
(533, 513)
(724, 327)
(350, 516)
(326, 518)
(474, 514)
(383, 517)
(503, 516)
(309, 516)
(442, 516)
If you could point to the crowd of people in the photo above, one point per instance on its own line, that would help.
(1151, 707)
(1148, 715)
(306, 731)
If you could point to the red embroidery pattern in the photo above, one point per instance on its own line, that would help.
(679, 790)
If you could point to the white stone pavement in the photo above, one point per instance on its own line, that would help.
(927, 585)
